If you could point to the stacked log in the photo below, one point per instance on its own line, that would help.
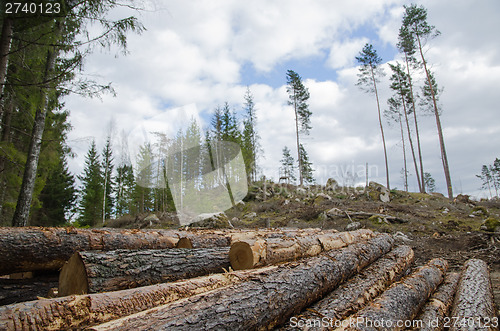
(79, 311)
(433, 314)
(260, 251)
(359, 290)
(92, 272)
(265, 300)
(401, 302)
(34, 248)
(474, 308)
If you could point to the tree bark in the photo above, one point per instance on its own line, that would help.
(264, 301)
(359, 290)
(381, 129)
(474, 306)
(79, 311)
(438, 307)
(261, 251)
(33, 248)
(93, 272)
(444, 157)
(401, 302)
(299, 159)
(19, 290)
(5, 41)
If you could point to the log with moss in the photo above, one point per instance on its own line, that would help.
(474, 307)
(359, 290)
(96, 271)
(80, 311)
(37, 248)
(264, 301)
(401, 302)
(266, 250)
(433, 314)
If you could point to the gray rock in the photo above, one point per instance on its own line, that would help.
(335, 212)
(353, 226)
(376, 190)
(250, 215)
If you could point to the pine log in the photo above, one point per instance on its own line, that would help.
(401, 302)
(358, 291)
(262, 250)
(264, 301)
(79, 311)
(438, 307)
(92, 272)
(473, 308)
(19, 290)
(37, 248)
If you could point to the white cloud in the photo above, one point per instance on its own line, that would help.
(342, 54)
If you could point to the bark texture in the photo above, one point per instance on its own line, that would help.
(79, 311)
(438, 307)
(264, 301)
(261, 251)
(473, 304)
(359, 290)
(401, 302)
(35, 248)
(93, 272)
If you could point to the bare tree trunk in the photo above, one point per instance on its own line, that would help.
(404, 152)
(381, 129)
(444, 158)
(5, 40)
(421, 180)
(298, 142)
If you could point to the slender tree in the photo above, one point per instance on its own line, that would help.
(429, 182)
(406, 45)
(91, 188)
(415, 20)
(250, 139)
(307, 170)
(298, 95)
(288, 165)
(403, 99)
(368, 77)
(394, 113)
(108, 178)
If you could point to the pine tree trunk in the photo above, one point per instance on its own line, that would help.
(80, 311)
(438, 307)
(25, 197)
(402, 301)
(261, 251)
(266, 300)
(404, 153)
(299, 159)
(361, 289)
(474, 306)
(444, 158)
(421, 178)
(93, 272)
(32, 249)
(381, 129)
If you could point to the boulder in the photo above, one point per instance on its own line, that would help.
(335, 212)
(491, 224)
(379, 192)
(213, 220)
(331, 184)
(250, 215)
(353, 226)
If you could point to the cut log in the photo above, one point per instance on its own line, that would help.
(19, 290)
(262, 250)
(359, 290)
(264, 301)
(92, 272)
(474, 308)
(33, 248)
(79, 311)
(401, 302)
(432, 316)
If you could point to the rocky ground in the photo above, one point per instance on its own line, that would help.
(431, 224)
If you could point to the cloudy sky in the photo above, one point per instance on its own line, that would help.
(196, 55)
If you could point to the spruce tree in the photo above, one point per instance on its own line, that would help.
(91, 190)
(108, 178)
(298, 95)
(250, 139)
(124, 189)
(368, 77)
(288, 165)
(307, 170)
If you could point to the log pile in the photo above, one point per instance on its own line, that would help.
(307, 279)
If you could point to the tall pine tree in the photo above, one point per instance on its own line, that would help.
(298, 95)
(250, 139)
(108, 178)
